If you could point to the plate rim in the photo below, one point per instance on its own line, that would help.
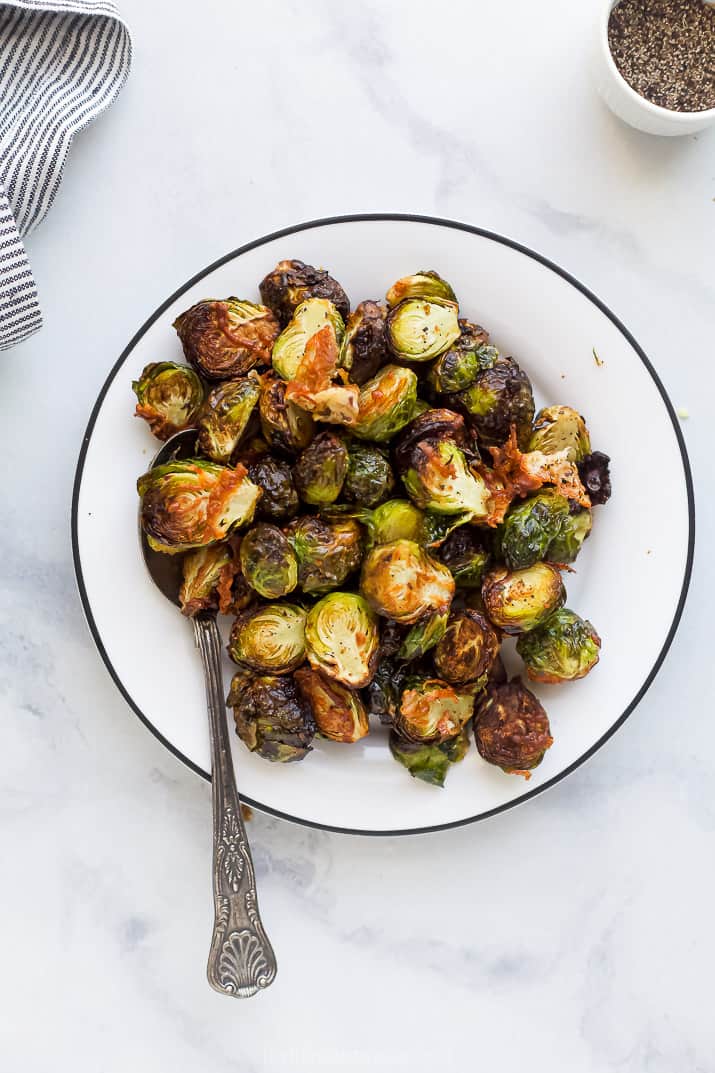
(439, 222)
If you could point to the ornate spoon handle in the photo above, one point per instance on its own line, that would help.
(241, 960)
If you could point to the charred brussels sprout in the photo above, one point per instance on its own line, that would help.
(321, 469)
(342, 638)
(169, 397)
(425, 284)
(520, 600)
(369, 477)
(285, 426)
(463, 552)
(499, 398)
(511, 728)
(460, 366)
(270, 638)
(189, 503)
(401, 582)
(202, 571)
(559, 428)
(224, 416)
(420, 329)
(382, 694)
(468, 649)
(567, 544)
(430, 710)
(327, 551)
(563, 648)
(292, 282)
(429, 763)
(272, 719)
(279, 499)
(364, 346)
(223, 340)
(596, 477)
(309, 318)
(397, 519)
(268, 562)
(423, 636)
(339, 713)
(439, 478)
(386, 404)
(531, 527)
(430, 426)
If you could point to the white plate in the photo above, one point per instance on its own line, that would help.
(632, 574)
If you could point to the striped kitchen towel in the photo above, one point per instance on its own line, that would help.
(61, 64)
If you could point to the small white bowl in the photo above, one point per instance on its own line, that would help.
(628, 105)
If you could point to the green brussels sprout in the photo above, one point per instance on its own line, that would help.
(511, 728)
(369, 477)
(464, 553)
(272, 719)
(439, 478)
(224, 416)
(561, 649)
(467, 649)
(382, 694)
(342, 638)
(270, 638)
(202, 570)
(292, 282)
(321, 469)
(596, 477)
(401, 582)
(499, 398)
(428, 762)
(223, 340)
(339, 712)
(274, 477)
(169, 397)
(468, 356)
(364, 347)
(530, 528)
(559, 428)
(190, 502)
(309, 318)
(520, 600)
(327, 551)
(397, 519)
(268, 562)
(285, 426)
(423, 636)
(566, 545)
(425, 284)
(420, 329)
(430, 710)
(386, 404)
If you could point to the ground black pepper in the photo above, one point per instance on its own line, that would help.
(665, 50)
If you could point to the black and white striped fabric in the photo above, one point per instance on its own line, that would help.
(61, 64)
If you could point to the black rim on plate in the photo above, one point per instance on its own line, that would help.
(436, 221)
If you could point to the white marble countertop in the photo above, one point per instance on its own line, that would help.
(573, 934)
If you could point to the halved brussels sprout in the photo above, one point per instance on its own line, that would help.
(468, 648)
(511, 728)
(595, 473)
(270, 638)
(520, 600)
(285, 426)
(563, 648)
(567, 544)
(369, 477)
(327, 551)
(272, 719)
(429, 763)
(342, 638)
(386, 404)
(293, 282)
(420, 329)
(397, 519)
(223, 340)
(439, 478)
(382, 694)
(268, 562)
(224, 416)
(468, 356)
(430, 710)
(364, 346)
(309, 318)
(202, 571)
(189, 503)
(320, 387)
(321, 470)
(464, 553)
(401, 582)
(423, 636)
(339, 713)
(169, 397)
(499, 398)
(274, 477)
(425, 284)
(559, 428)
(531, 527)
(430, 426)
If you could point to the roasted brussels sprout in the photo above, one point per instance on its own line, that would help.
(202, 571)
(468, 648)
(386, 404)
(520, 600)
(420, 329)
(342, 638)
(511, 728)
(531, 527)
(327, 551)
(500, 397)
(292, 282)
(567, 544)
(397, 519)
(464, 553)
(402, 582)
(274, 477)
(270, 638)
(460, 366)
(272, 719)
(369, 477)
(321, 470)
(169, 397)
(285, 426)
(439, 478)
(364, 347)
(423, 636)
(595, 474)
(224, 416)
(559, 428)
(319, 386)
(382, 694)
(268, 562)
(431, 426)
(561, 649)
(339, 713)
(425, 284)
(430, 710)
(429, 763)
(190, 503)
(309, 318)
(515, 473)
(223, 340)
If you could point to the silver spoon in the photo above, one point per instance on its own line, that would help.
(241, 959)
